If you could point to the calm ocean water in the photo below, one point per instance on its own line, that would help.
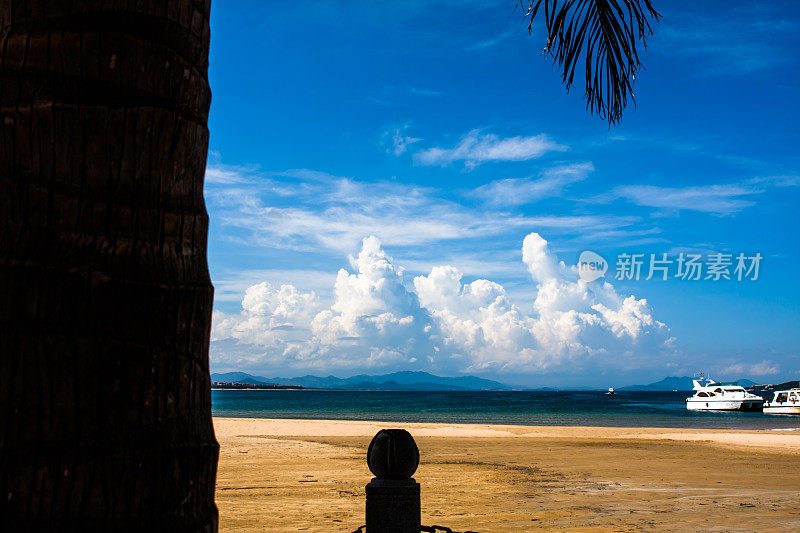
(625, 409)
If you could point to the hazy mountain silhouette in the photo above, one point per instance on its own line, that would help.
(681, 383)
(407, 380)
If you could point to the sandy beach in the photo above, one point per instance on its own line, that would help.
(308, 475)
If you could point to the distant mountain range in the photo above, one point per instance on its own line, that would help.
(396, 381)
(423, 381)
(682, 383)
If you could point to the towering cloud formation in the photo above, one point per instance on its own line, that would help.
(436, 322)
(374, 319)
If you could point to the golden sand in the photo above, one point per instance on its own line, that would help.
(309, 475)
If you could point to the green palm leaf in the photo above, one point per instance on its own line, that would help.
(603, 34)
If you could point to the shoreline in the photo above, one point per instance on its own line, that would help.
(784, 439)
(387, 422)
(259, 388)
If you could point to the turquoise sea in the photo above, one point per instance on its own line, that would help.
(625, 409)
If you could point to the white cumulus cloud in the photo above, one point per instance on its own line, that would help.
(437, 322)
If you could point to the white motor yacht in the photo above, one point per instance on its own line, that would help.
(785, 402)
(712, 396)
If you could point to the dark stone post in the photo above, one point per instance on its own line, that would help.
(393, 501)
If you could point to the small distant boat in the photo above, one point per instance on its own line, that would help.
(730, 396)
(611, 391)
(785, 402)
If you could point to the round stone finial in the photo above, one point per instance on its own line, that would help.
(393, 454)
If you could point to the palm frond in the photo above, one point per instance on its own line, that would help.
(604, 33)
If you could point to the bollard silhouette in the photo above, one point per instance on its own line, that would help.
(393, 498)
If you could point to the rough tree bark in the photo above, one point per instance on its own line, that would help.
(105, 297)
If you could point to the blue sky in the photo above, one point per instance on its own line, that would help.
(440, 129)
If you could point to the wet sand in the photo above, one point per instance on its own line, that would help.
(305, 475)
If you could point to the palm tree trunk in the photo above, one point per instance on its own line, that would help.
(105, 297)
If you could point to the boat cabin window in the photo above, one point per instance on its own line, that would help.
(793, 397)
(734, 390)
(781, 397)
(702, 395)
(717, 390)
